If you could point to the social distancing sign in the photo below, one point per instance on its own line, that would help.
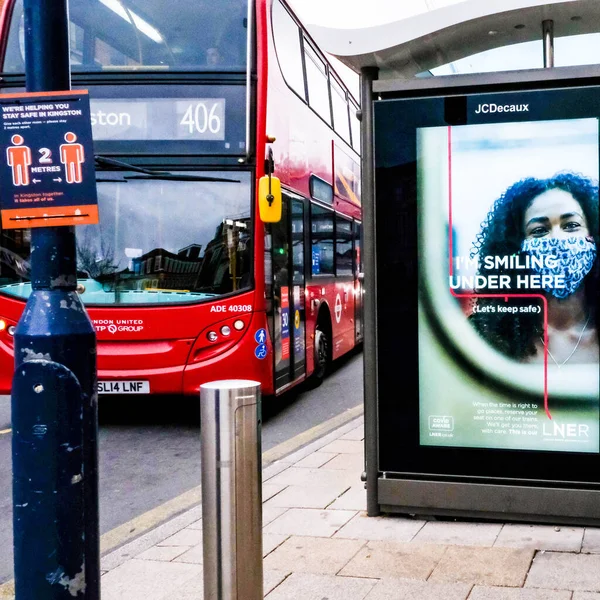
(47, 177)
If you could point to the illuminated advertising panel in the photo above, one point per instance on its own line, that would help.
(487, 288)
(520, 207)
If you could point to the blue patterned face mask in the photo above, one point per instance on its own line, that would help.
(571, 258)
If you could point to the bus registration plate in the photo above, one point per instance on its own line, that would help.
(124, 387)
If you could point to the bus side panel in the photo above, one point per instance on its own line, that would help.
(304, 147)
(6, 368)
(11, 313)
(311, 312)
(336, 298)
(261, 133)
(343, 330)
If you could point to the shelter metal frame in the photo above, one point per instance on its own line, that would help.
(423, 494)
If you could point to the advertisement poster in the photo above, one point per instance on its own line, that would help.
(285, 323)
(516, 204)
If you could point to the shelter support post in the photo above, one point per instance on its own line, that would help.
(548, 40)
(368, 75)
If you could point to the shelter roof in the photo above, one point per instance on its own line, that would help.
(403, 48)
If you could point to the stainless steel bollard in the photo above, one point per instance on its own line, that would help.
(230, 425)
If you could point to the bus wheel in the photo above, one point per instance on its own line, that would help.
(321, 355)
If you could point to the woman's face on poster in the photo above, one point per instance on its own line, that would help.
(555, 214)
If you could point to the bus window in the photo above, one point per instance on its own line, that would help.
(289, 52)
(14, 257)
(355, 126)
(343, 246)
(340, 110)
(298, 242)
(357, 228)
(76, 37)
(316, 79)
(321, 239)
(147, 249)
(135, 34)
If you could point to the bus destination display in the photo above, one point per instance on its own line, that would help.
(185, 119)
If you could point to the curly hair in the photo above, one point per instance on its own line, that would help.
(502, 234)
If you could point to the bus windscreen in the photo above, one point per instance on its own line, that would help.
(158, 242)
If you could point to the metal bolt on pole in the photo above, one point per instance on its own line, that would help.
(230, 422)
(54, 395)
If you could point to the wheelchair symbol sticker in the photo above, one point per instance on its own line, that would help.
(261, 351)
(260, 337)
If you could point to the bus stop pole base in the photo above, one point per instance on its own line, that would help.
(51, 527)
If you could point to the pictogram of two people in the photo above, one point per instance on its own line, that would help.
(19, 159)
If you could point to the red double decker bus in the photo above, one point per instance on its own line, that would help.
(191, 102)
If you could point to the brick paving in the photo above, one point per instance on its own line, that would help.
(318, 543)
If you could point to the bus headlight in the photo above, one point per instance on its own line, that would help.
(212, 336)
(226, 330)
(11, 330)
(238, 324)
(2, 324)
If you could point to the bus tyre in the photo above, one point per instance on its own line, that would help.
(321, 355)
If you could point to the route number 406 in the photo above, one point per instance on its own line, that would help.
(201, 119)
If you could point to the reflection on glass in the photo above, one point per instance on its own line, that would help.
(298, 242)
(343, 247)
(157, 242)
(357, 246)
(322, 240)
(132, 34)
(316, 79)
(288, 48)
(14, 257)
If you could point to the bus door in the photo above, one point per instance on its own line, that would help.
(358, 281)
(288, 293)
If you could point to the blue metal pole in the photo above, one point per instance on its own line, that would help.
(54, 397)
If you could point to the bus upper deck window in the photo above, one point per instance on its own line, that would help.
(131, 34)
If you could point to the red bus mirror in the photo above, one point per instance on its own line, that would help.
(269, 199)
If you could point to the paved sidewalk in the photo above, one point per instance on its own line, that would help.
(319, 545)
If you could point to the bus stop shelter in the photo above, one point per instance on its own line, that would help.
(454, 426)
